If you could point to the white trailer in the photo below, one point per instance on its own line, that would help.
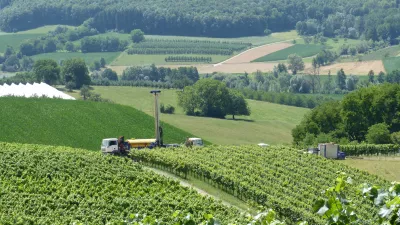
(330, 151)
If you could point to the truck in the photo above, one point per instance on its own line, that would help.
(329, 151)
(115, 146)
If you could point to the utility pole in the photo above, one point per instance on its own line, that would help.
(156, 115)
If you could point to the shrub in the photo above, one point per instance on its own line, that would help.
(378, 134)
(169, 109)
(395, 137)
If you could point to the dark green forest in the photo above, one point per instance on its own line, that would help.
(225, 18)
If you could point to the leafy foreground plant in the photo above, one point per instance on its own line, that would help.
(338, 210)
(265, 218)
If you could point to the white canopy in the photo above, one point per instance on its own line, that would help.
(32, 90)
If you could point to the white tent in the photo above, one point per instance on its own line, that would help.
(32, 90)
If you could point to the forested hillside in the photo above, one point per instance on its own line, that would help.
(353, 18)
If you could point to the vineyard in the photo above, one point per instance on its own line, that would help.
(281, 178)
(188, 59)
(60, 185)
(181, 46)
(370, 149)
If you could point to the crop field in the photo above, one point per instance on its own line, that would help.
(254, 40)
(269, 123)
(299, 49)
(278, 177)
(88, 57)
(75, 123)
(257, 52)
(137, 60)
(351, 68)
(62, 185)
(162, 46)
(392, 63)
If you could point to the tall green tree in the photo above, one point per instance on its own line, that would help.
(109, 74)
(295, 63)
(237, 105)
(75, 70)
(206, 97)
(137, 36)
(378, 134)
(341, 79)
(381, 77)
(371, 76)
(46, 70)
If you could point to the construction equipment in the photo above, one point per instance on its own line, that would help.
(328, 150)
(120, 146)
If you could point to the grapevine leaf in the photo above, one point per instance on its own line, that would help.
(394, 201)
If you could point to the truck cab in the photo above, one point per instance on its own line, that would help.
(197, 142)
(109, 145)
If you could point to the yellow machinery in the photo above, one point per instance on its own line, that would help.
(142, 143)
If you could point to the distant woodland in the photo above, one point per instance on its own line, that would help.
(371, 19)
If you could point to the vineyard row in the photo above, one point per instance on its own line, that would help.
(188, 59)
(167, 51)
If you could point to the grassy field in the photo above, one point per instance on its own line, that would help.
(75, 123)
(382, 53)
(88, 57)
(269, 123)
(299, 49)
(136, 60)
(15, 39)
(332, 45)
(385, 167)
(392, 63)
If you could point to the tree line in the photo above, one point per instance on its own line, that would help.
(286, 98)
(366, 115)
(73, 73)
(179, 77)
(227, 18)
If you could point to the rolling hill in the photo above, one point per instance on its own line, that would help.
(75, 123)
(268, 122)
